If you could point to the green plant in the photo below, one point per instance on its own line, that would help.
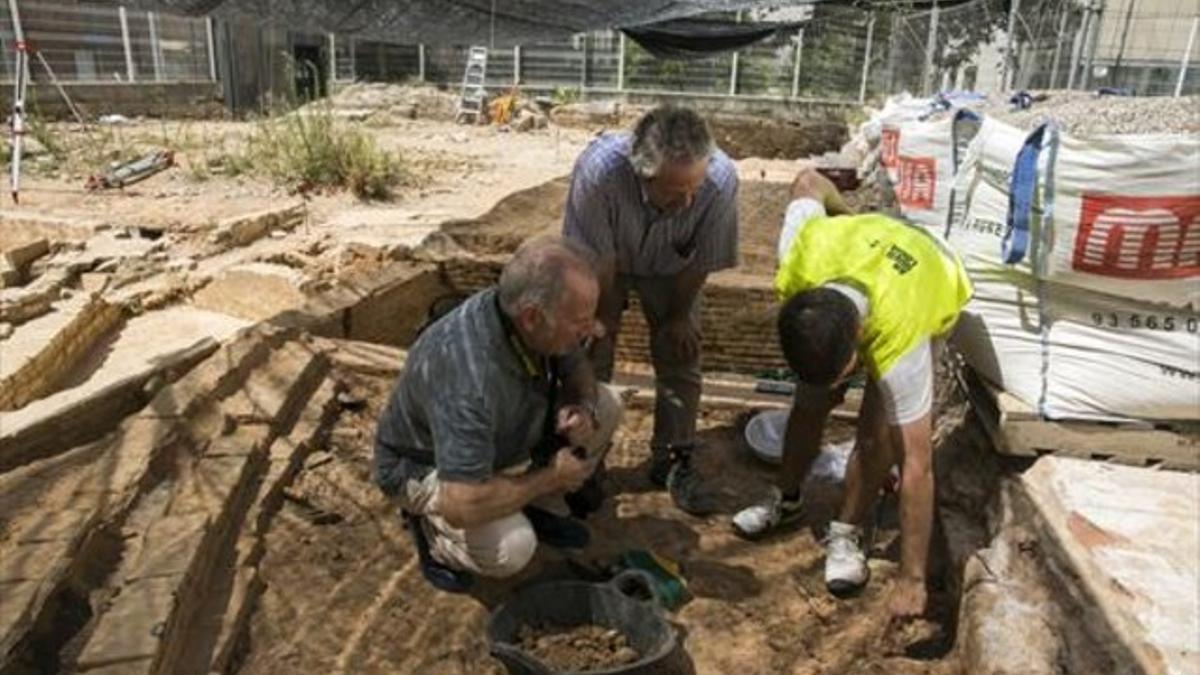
(310, 150)
(566, 95)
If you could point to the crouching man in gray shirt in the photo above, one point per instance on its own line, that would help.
(482, 387)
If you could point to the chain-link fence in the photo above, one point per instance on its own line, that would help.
(834, 52)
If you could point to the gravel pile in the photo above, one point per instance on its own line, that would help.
(1086, 114)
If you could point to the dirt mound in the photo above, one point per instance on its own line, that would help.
(538, 211)
(740, 136)
(380, 101)
(519, 216)
(577, 648)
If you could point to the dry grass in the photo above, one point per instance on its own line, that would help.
(311, 150)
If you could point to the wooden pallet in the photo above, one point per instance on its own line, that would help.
(1016, 428)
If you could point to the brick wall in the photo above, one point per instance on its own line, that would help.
(737, 319)
(40, 376)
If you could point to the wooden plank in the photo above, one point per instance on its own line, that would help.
(1169, 448)
(1015, 429)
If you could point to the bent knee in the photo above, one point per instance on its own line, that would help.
(504, 547)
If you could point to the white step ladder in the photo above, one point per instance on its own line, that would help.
(470, 105)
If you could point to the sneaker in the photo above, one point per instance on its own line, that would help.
(773, 512)
(846, 570)
(557, 531)
(686, 488)
(440, 576)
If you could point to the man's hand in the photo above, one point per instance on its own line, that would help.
(682, 339)
(577, 424)
(570, 472)
(907, 600)
(810, 184)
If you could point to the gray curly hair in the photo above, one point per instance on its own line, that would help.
(669, 134)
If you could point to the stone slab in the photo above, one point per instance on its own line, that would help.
(17, 605)
(33, 561)
(131, 628)
(135, 667)
(211, 485)
(22, 255)
(32, 337)
(1132, 537)
(86, 413)
(170, 546)
(368, 358)
(254, 291)
(272, 394)
(58, 525)
(244, 440)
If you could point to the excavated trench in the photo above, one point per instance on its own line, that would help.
(231, 524)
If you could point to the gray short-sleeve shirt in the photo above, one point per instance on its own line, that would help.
(466, 397)
(607, 210)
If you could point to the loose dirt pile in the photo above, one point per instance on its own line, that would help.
(384, 102)
(571, 648)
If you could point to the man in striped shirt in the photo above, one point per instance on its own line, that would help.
(659, 209)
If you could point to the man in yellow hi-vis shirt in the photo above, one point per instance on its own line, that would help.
(873, 291)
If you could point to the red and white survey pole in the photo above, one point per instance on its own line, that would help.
(19, 85)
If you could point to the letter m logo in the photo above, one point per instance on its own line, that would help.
(1138, 237)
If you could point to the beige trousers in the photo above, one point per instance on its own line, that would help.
(502, 547)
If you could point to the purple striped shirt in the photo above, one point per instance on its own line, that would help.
(607, 210)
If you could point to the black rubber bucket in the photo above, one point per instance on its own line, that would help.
(626, 604)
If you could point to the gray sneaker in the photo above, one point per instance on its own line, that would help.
(686, 488)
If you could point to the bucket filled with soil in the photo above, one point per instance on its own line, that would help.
(576, 627)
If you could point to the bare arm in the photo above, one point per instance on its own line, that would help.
(802, 441)
(809, 184)
(465, 504)
(916, 497)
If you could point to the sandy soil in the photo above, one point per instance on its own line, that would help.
(455, 171)
(348, 596)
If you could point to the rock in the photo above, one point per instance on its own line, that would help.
(106, 266)
(94, 282)
(525, 121)
(20, 257)
(9, 276)
(6, 331)
(180, 265)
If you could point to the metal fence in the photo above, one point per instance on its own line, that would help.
(838, 52)
(848, 54)
(83, 43)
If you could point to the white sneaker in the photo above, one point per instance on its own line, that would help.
(846, 568)
(753, 522)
